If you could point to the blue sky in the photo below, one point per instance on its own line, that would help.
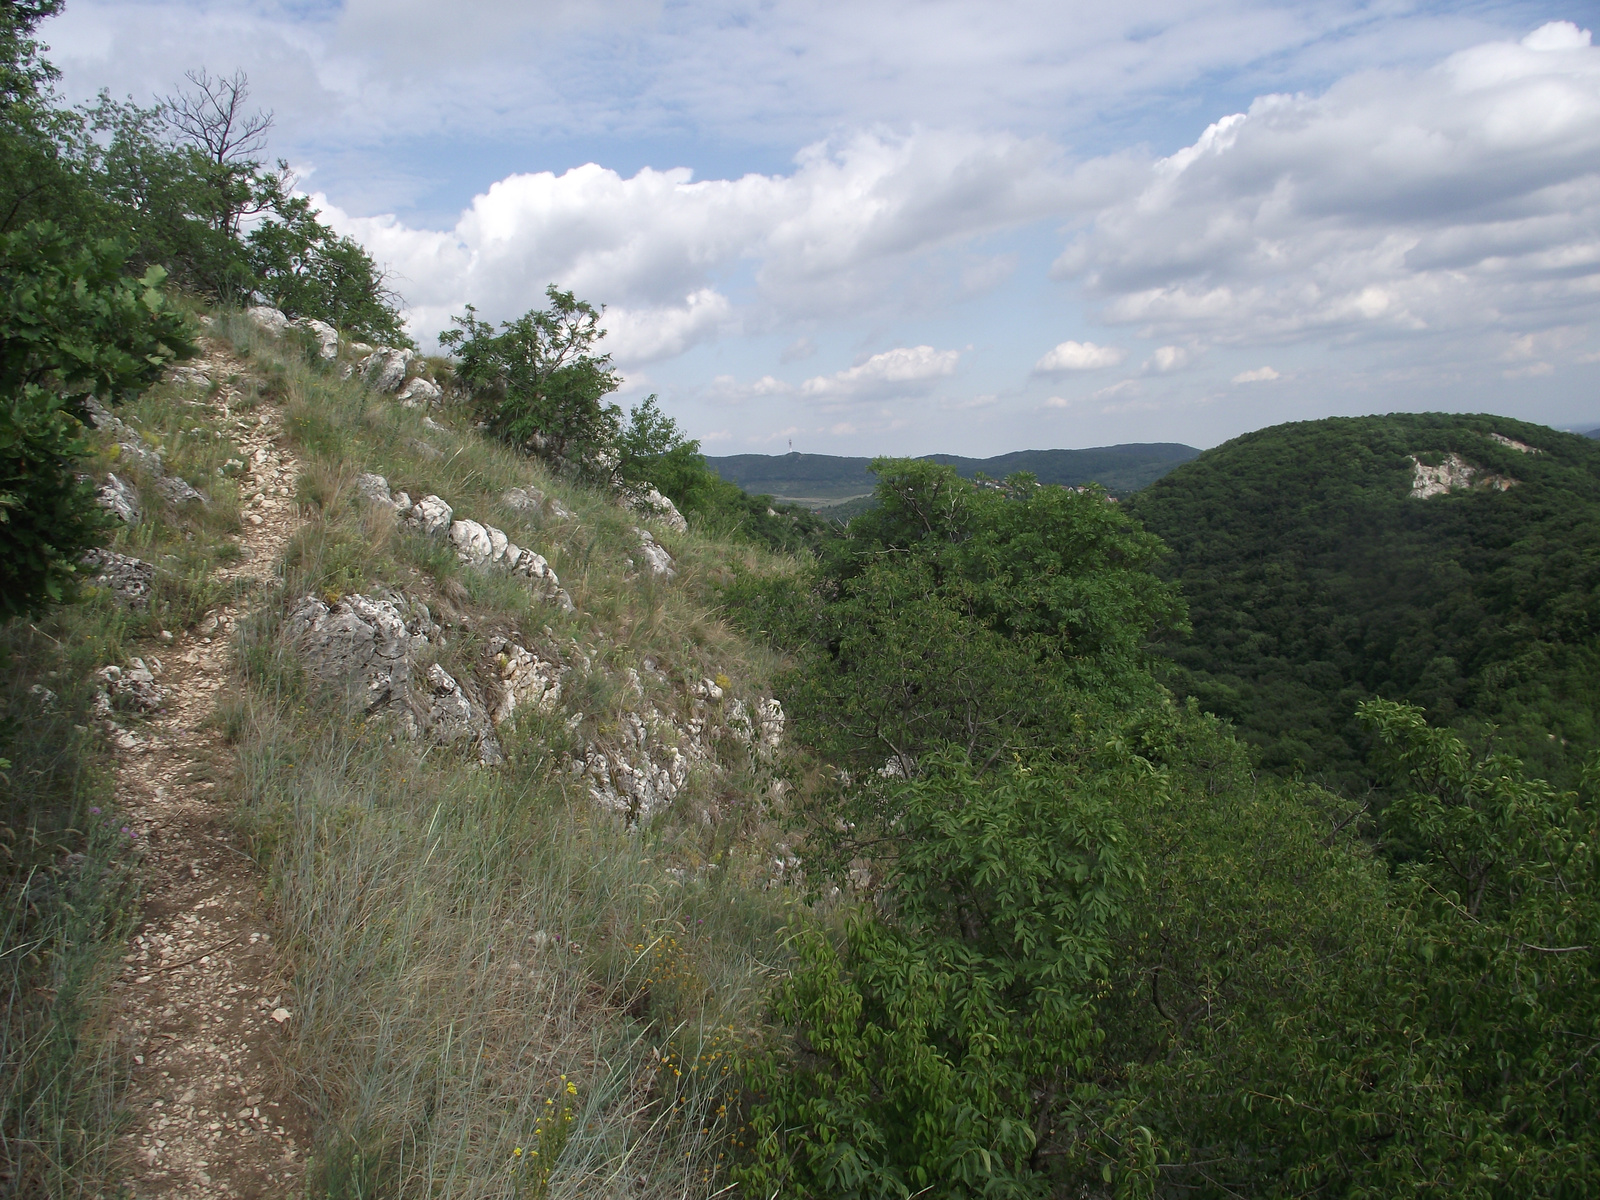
(971, 227)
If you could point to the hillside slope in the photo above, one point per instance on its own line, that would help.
(1316, 578)
(822, 477)
(366, 965)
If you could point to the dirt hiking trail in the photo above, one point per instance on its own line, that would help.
(203, 1004)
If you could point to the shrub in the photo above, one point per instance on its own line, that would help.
(71, 326)
(933, 1053)
(537, 382)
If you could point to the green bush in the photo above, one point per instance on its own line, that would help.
(932, 1054)
(537, 382)
(72, 326)
(977, 615)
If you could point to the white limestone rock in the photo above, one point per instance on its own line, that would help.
(374, 489)
(128, 578)
(526, 681)
(136, 452)
(1454, 474)
(189, 377)
(268, 318)
(369, 646)
(327, 337)
(361, 642)
(656, 558)
(385, 368)
(472, 542)
(648, 502)
(178, 491)
(133, 687)
(431, 515)
(120, 496)
(446, 713)
(419, 393)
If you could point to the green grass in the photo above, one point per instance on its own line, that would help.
(463, 938)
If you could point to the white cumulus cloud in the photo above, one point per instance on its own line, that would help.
(1451, 200)
(906, 370)
(839, 233)
(1079, 356)
(1259, 375)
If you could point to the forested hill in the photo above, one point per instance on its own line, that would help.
(1316, 579)
(1120, 469)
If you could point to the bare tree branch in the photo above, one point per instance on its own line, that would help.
(212, 117)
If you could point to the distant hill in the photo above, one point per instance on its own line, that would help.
(820, 479)
(1315, 579)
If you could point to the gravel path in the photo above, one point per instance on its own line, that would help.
(203, 1002)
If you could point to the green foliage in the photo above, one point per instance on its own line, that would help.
(169, 203)
(307, 270)
(537, 382)
(1289, 1018)
(930, 1055)
(1315, 581)
(652, 451)
(173, 184)
(71, 326)
(975, 615)
(67, 905)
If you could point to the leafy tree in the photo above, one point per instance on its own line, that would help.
(538, 382)
(306, 269)
(167, 202)
(931, 1056)
(72, 325)
(975, 615)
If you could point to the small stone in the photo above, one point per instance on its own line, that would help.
(280, 1015)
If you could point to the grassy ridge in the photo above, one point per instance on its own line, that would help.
(466, 938)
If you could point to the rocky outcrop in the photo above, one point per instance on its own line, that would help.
(484, 546)
(120, 497)
(648, 764)
(648, 502)
(763, 733)
(363, 643)
(431, 515)
(116, 493)
(178, 491)
(656, 559)
(375, 490)
(128, 578)
(476, 545)
(326, 335)
(265, 317)
(1513, 444)
(369, 646)
(527, 681)
(533, 500)
(385, 368)
(443, 712)
(1454, 474)
(420, 393)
